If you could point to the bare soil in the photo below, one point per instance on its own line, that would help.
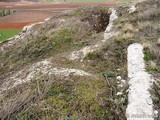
(32, 12)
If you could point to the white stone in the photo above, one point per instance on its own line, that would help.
(155, 113)
(123, 81)
(26, 28)
(118, 77)
(47, 19)
(127, 90)
(132, 9)
(120, 85)
(119, 93)
(140, 105)
(113, 17)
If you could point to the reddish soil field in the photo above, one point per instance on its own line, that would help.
(32, 12)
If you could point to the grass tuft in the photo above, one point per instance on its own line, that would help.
(128, 28)
(158, 42)
(123, 38)
(147, 57)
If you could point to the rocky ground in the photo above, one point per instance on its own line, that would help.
(74, 65)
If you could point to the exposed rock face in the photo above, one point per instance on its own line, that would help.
(140, 106)
(113, 17)
(98, 20)
(79, 55)
(40, 68)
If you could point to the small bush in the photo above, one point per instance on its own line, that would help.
(144, 24)
(118, 53)
(77, 12)
(152, 66)
(54, 92)
(104, 8)
(128, 28)
(146, 46)
(93, 56)
(111, 74)
(105, 47)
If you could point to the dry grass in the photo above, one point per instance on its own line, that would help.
(153, 65)
(128, 28)
(143, 25)
(78, 97)
(146, 46)
(58, 98)
(124, 37)
(158, 42)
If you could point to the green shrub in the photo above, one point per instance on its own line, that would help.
(147, 57)
(111, 74)
(93, 56)
(118, 53)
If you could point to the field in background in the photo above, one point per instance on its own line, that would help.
(8, 33)
(87, 0)
(31, 12)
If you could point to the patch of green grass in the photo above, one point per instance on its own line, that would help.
(81, 43)
(79, 98)
(147, 57)
(8, 33)
(111, 74)
(118, 53)
(57, 42)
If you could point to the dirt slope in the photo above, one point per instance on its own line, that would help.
(38, 80)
